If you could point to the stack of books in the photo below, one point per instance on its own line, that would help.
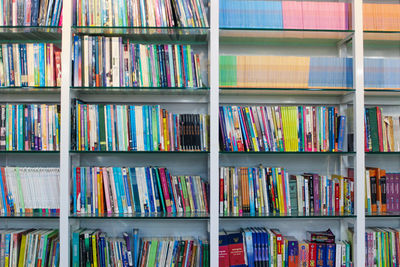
(30, 64)
(285, 72)
(284, 15)
(29, 190)
(129, 13)
(381, 17)
(263, 191)
(99, 190)
(381, 73)
(30, 13)
(107, 61)
(98, 127)
(382, 132)
(382, 191)
(382, 246)
(258, 246)
(96, 248)
(281, 128)
(29, 127)
(29, 247)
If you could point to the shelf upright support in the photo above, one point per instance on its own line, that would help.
(65, 134)
(359, 179)
(213, 54)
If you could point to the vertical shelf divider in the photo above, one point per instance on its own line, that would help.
(214, 131)
(65, 134)
(358, 107)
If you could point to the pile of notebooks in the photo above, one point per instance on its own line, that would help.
(29, 127)
(381, 73)
(382, 246)
(284, 15)
(29, 247)
(99, 190)
(106, 61)
(281, 128)
(29, 190)
(260, 191)
(285, 72)
(381, 17)
(151, 13)
(382, 132)
(259, 246)
(382, 191)
(98, 127)
(30, 64)
(30, 13)
(94, 247)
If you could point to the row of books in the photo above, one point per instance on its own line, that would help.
(30, 13)
(108, 61)
(30, 64)
(151, 13)
(258, 246)
(281, 128)
(285, 15)
(98, 127)
(285, 71)
(98, 190)
(29, 127)
(28, 190)
(29, 247)
(95, 248)
(381, 17)
(382, 132)
(272, 190)
(381, 73)
(381, 191)
(382, 247)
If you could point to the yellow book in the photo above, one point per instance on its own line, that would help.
(94, 248)
(253, 138)
(188, 185)
(21, 261)
(279, 190)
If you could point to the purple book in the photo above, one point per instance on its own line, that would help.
(317, 200)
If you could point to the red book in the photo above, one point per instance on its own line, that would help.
(337, 197)
(3, 176)
(78, 189)
(221, 193)
(223, 250)
(279, 246)
(236, 249)
(203, 185)
(165, 190)
(379, 119)
(312, 256)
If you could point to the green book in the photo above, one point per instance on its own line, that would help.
(160, 192)
(182, 182)
(190, 67)
(228, 70)
(293, 195)
(373, 120)
(153, 252)
(102, 128)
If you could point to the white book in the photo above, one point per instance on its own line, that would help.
(85, 62)
(50, 71)
(30, 64)
(306, 197)
(338, 260)
(115, 64)
(113, 190)
(169, 253)
(144, 58)
(146, 197)
(140, 191)
(17, 64)
(139, 127)
(299, 182)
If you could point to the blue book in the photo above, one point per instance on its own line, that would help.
(21, 140)
(248, 235)
(42, 64)
(150, 190)
(73, 191)
(117, 189)
(35, 12)
(135, 190)
(75, 249)
(126, 187)
(145, 129)
(321, 255)
(194, 193)
(150, 129)
(171, 193)
(122, 190)
(156, 189)
(135, 246)
(109, 128)
(133, 128)
(11, 66)
(342, 125)
(251, 192)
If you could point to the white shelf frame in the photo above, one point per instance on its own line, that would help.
(213, 51)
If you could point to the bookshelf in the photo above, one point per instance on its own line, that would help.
(211, 42)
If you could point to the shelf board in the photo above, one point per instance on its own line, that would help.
(284, 91)
(283, 153)
(40, 152)
(288, 216)
(29, 216)
(143, 216)
(142, 90)
(382, 92)
(28, 34)
(381, 38)
(309, 37)
(195, 35)
(382, 215)
(29, 89)
(140, 152)
(383, 153)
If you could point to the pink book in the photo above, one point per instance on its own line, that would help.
(165, 190)
(396, 192)
(310, 14)
(292, 15)
(266, 128)
(168, 72)
(113, 128)
(110, 170)
(61, 17)
(28, 9)
(171, 132)
(106, 189)
(78, 190)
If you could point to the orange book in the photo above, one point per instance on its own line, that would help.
(373, 179)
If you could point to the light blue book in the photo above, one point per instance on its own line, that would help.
(251, 192)
(248, 235)
(42, 64)
(117, 189)
(109, 129)
(122, 190)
